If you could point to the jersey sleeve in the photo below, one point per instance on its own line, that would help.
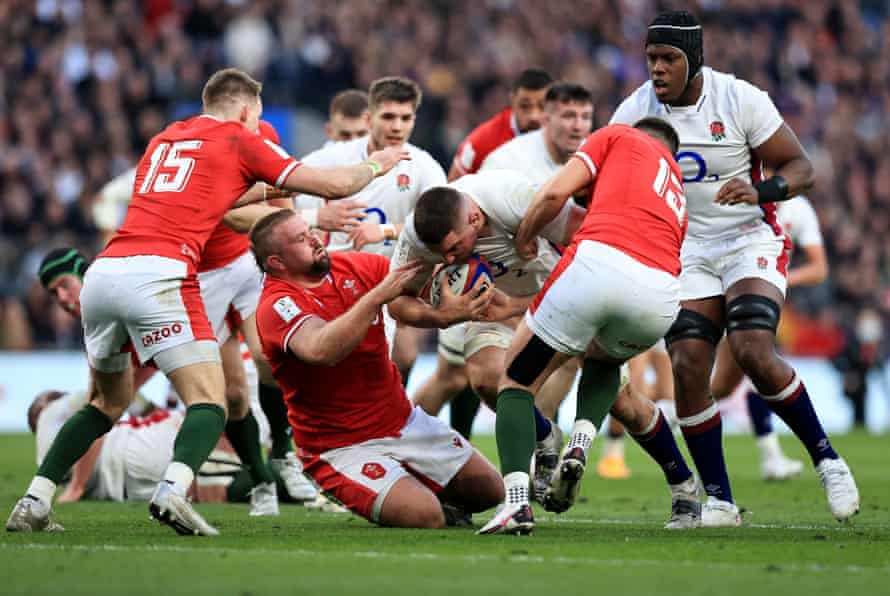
(408, 248)
(465, 161)
(594, 150)
(266, 161)
(759, 117)
(279, 317)
(268, 132)
(807, 232)
(111, 205)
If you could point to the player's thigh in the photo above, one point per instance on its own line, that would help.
(235, 378)
(410, 504)
(217, 292)
(200, 381)
(485, 346)
(451, 344)
(103, 312)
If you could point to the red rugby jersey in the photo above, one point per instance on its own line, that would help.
(637, 203)
(225, 244)
(484, 139)
(191, 174)
(358, 399)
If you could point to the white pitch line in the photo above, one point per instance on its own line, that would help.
(442, 557)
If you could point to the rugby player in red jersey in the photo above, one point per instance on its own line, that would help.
(320, 320)
(143, 287)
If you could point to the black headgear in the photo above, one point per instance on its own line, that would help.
(61, 261)
(679, 29)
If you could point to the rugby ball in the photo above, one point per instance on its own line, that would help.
(461, 278)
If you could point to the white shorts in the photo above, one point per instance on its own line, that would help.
(710, 267)
(360, 476)
(602, 294)
(231, 290)
(460, 342)
(150, 300)
(451, 344)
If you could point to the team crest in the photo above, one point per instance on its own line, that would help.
(762, 262)
(403, 182)
(373, 471)
(718, 132)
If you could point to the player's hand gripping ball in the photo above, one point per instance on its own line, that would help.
(460, 277)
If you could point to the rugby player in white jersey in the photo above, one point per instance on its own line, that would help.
(392, 109)
(568, 118)
(480, 214)
(734, 256)
(347, 116)
(800, 223)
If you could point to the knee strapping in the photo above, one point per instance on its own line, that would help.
(752, 311)
(693, 325)
(530, 362)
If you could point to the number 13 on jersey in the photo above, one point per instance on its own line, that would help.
(669, 188)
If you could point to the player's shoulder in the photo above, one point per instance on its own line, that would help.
(726, 86)
(267, 131)
(640, 103)
(492, 184)
(493, 131)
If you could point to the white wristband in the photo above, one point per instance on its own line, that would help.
(311, 217)
(389, 231)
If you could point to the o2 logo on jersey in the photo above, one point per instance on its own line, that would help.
(168, 156)
(382, 217)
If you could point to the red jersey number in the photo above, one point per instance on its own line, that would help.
(169, 156)
(669, 188)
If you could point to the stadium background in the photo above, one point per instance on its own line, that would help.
(85, 83)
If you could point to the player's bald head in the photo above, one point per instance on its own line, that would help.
(264, 241)
(229, 86)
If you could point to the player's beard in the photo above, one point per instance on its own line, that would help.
(320, 266)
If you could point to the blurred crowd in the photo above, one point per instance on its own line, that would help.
(85, 83)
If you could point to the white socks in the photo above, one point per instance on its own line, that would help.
(583, 433)
(180, 476)
(42, 488)
(516, 488)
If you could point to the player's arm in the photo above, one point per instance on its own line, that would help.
(793, 174)
(549, 202)
(342, 181)
(503, 307)
(328, 342)
(452, 309)
(81, 472)
(814, 271)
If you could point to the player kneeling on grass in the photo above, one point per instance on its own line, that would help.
(321, 326)
(613, 295)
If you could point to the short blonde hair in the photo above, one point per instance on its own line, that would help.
(228, 85)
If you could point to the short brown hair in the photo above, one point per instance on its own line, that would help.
(228, 85)
(352, 103)
(261, 235)
(435, 214)
(397, 89)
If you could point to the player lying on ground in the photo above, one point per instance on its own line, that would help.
(613, 294)
(321, 324)
(480, 214)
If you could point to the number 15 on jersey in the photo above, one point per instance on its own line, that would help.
(668, 187)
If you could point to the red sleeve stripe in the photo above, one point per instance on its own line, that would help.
(294, 327)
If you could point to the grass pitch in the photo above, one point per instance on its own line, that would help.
(611, 542)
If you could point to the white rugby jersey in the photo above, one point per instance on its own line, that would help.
(799, 221)
(504, 196)
(389, 198)
(527, 154)
(114, 199)
(717, 134)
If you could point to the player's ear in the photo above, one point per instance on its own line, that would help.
(366, 116)
(243, 113)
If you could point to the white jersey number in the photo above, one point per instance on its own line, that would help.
(169, 156)
(669, 188)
